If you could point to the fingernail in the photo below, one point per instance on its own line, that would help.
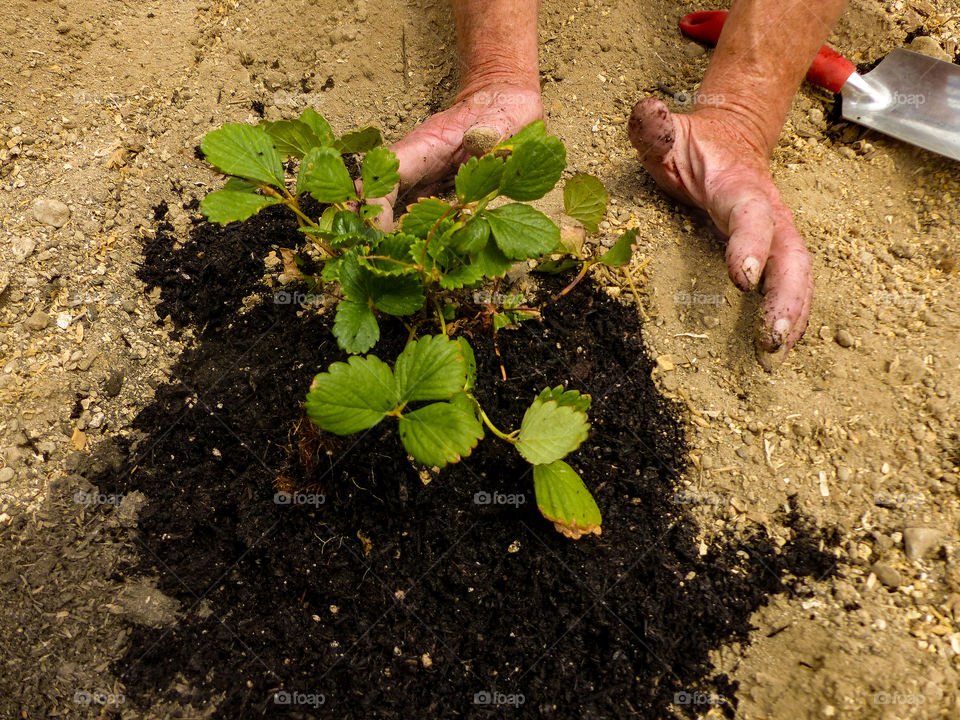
(781, 328)
(751, 270)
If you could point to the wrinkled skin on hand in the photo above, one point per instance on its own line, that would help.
(705, 159)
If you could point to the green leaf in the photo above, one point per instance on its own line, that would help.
(325, 177)
(422, 217)
(352, 396)
(534, 131)
(370, 211)
(550, 431)
(246, 151)
(400, 296)
(466, 403)
(463, 276)
(355, 327)
(511, 318)
(472, 236)
(359, 141)
(291, 137)
(565, 501)
(471, 363)
(555, 267)
(431, 368)
(236, 184)
(440, 433)
(585, 199)
(533, 168)
(500, 321)
(379, 173)
(354, 280)
(395, 246)
(330, 272)
(478, 177)
(572, 398)
(490, 261)
(347, 241)
(325, 222)
(622, 250)
(346, 222)
(321, 128)
(522, 232)
(226, 206)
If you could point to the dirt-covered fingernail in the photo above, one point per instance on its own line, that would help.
(781, 328)
(751, 270)
(480, 140)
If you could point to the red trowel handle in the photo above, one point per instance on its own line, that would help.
(830, 69)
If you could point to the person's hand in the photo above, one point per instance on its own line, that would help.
(434, 150)
(707, 159)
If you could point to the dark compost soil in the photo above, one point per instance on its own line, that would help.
(399, 599)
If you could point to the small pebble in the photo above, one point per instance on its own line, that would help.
(7, 474)
(903, 250)
(114, 383)
(843, 338)
(815, 115)
(847, 152)
(887, 575)
(38, 321)
(22, 248)
(918, 541)
(51, 212)
(693, 50)
(926, 45)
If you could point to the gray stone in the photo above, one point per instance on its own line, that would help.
(918, 541)
(7, 474)
(51, 212)
(887, 575)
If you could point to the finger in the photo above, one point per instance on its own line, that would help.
(788, 289)
(750, 227)
(651, 131)
(384, 220)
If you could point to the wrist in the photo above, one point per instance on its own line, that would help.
(740, 120)
(497, 68)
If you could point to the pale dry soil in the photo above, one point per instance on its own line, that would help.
(102, 104)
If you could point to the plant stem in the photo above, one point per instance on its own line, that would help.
(576, 281)
(493, 428)
(443, 322)
(291, 202)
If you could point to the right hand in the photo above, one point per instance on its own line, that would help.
(434, 150)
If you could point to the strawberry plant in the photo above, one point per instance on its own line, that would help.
(425, 271)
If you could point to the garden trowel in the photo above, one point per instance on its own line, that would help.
(908, 96)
